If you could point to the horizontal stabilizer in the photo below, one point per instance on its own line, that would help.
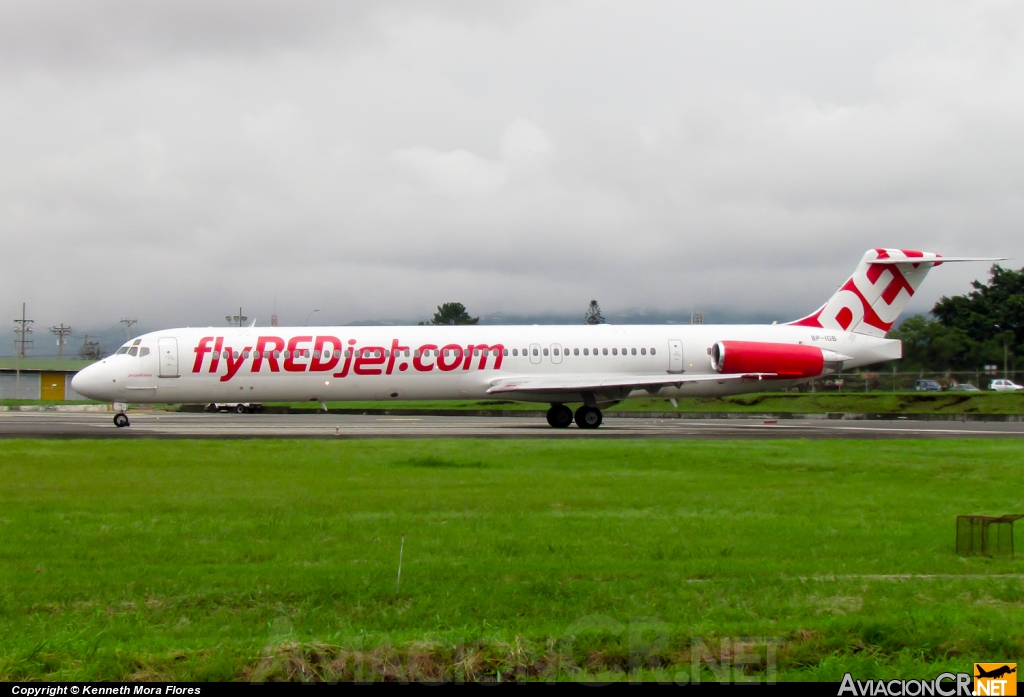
(937, 260)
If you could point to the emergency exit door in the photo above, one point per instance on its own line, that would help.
(168, 348)
(675, 356)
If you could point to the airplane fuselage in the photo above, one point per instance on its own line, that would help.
(264, 364)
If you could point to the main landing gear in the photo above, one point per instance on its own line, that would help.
(121, 420)
(561, 416)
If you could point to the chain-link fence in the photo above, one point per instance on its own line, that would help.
(909, 381)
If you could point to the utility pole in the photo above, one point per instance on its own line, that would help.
(127, 325)
(239, 318)
(90, 349)
(23, 330)
(21, 343)
(61, 332)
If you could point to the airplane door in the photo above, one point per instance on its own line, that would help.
(534, 353)
(168, 348)
(675, 356)
(556, 353)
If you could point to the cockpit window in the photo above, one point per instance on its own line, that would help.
(133, 351)
(136, 342)
(123, 349)
(143, 352)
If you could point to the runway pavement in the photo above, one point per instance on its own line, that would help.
(156, 424)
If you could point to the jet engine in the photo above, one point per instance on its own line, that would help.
(784, 361)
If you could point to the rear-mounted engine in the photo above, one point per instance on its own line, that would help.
(777, 361)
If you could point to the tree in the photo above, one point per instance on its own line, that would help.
(988, 310)
(593, 315)
(971, 330)
(453, 313)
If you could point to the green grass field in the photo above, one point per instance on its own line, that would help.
(529, 559)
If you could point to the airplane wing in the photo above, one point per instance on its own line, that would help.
(590, 383)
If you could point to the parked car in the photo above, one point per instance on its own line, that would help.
(964, 387)
(927, 386)
(1004, 386)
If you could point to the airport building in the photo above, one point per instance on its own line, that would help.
(39, 378)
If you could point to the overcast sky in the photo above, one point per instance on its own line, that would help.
(172, 161)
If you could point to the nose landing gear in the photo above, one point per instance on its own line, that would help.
(121, 420)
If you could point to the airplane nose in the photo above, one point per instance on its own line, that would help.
(84, 382)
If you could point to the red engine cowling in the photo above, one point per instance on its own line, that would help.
(787, 361)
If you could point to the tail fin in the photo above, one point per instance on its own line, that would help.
(878, 291)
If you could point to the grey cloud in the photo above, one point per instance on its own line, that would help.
(376, 160)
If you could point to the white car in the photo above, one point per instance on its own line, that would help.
(1004, 386)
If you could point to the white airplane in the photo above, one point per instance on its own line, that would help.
(592, 365)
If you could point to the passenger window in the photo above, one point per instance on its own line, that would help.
(643, 352)
(535, 352)
(515, 352)
(586, 352)
(277, 354)
(604, 352)
(236, 355)
(133, 351)
(575, 352)
(556, 351)
(256, 355)
(545, 352)
(503, 351)
(143, 352)
(245, 354)
(615, 352)
(348, 353)
(632, 352)
(652, 352)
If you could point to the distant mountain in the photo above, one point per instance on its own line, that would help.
(633, 316)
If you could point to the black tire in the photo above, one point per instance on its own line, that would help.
(559, 416)
(240, 409)
(121, 420)
(211, 407)
(588, 417)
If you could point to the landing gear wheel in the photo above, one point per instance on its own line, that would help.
(588, 417)
(240, 409)
(559, 416)
(121, 420)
